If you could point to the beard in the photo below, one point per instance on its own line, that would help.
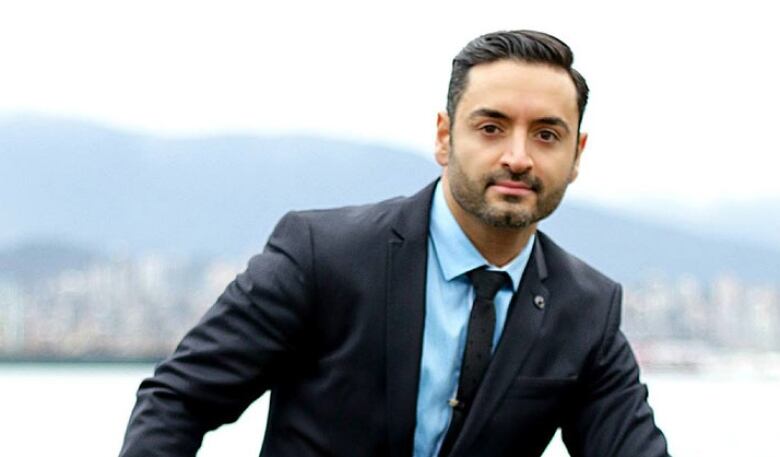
(471, 196)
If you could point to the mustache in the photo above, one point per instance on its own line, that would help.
(526, 178)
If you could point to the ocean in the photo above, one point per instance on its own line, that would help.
(82, 410)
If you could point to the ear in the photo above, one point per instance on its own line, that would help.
(575, 170)
(442, 153)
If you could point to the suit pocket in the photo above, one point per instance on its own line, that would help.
(531, 410)
(523, 386)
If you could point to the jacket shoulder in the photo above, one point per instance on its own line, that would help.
(346, 219)
(579, 274)
(406, 216)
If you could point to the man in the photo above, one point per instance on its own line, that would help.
(373, 326)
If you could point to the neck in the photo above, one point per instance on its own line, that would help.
(498, 245)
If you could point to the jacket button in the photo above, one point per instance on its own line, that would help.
(539, 301)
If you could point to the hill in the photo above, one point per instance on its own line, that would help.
(220, 196)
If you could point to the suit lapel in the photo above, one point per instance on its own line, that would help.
(520, 333)
(407, 263)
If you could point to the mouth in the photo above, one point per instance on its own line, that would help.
(512, 187)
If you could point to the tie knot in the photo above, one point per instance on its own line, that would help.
(487, 283)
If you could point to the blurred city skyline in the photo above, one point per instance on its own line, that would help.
(158, 227)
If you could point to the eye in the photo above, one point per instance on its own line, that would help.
(548, 136)
(490, 129)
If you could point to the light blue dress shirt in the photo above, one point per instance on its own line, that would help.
(449, 296)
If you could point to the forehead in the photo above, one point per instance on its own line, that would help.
(520, 89)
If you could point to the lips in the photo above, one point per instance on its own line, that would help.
(519, 186)
(515, 188)
(513, 184)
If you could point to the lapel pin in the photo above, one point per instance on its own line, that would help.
(539, 301)
(455, 403)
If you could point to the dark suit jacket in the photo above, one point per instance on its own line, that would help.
(330, 319)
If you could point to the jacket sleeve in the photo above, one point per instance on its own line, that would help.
(613, 418)
(248, 340)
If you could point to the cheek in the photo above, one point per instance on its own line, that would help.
(476, 168)
(478, 156)
(555, 176)
(551, 175)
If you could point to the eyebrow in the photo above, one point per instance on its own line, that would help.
(553, 120)
(487, 112)
(495, 114)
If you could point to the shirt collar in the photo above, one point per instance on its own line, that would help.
(456, 254)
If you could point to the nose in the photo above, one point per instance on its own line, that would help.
(517, 157)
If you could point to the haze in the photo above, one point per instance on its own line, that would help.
(683, 103)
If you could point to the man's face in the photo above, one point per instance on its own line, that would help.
(513, 148)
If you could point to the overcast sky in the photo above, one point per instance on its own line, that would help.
(684, 102)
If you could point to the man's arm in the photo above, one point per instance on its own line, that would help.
(613, 418)
(241, 347)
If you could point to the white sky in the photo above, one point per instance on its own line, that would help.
(683, 105)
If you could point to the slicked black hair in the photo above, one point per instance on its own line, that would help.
(524, 45)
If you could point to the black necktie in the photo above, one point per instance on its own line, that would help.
(479, 348)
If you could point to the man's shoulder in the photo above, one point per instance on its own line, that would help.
(350, 220)
(404, 213)
(354, 215)
(563, 264)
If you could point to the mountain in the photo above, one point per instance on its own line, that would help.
(756, 221)
(110, 191)
(630, 248)
(217, 195)
(28, 260)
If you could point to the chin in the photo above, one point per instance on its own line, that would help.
(511, 218)
(514, 208)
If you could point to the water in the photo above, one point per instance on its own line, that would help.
(82, 410)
